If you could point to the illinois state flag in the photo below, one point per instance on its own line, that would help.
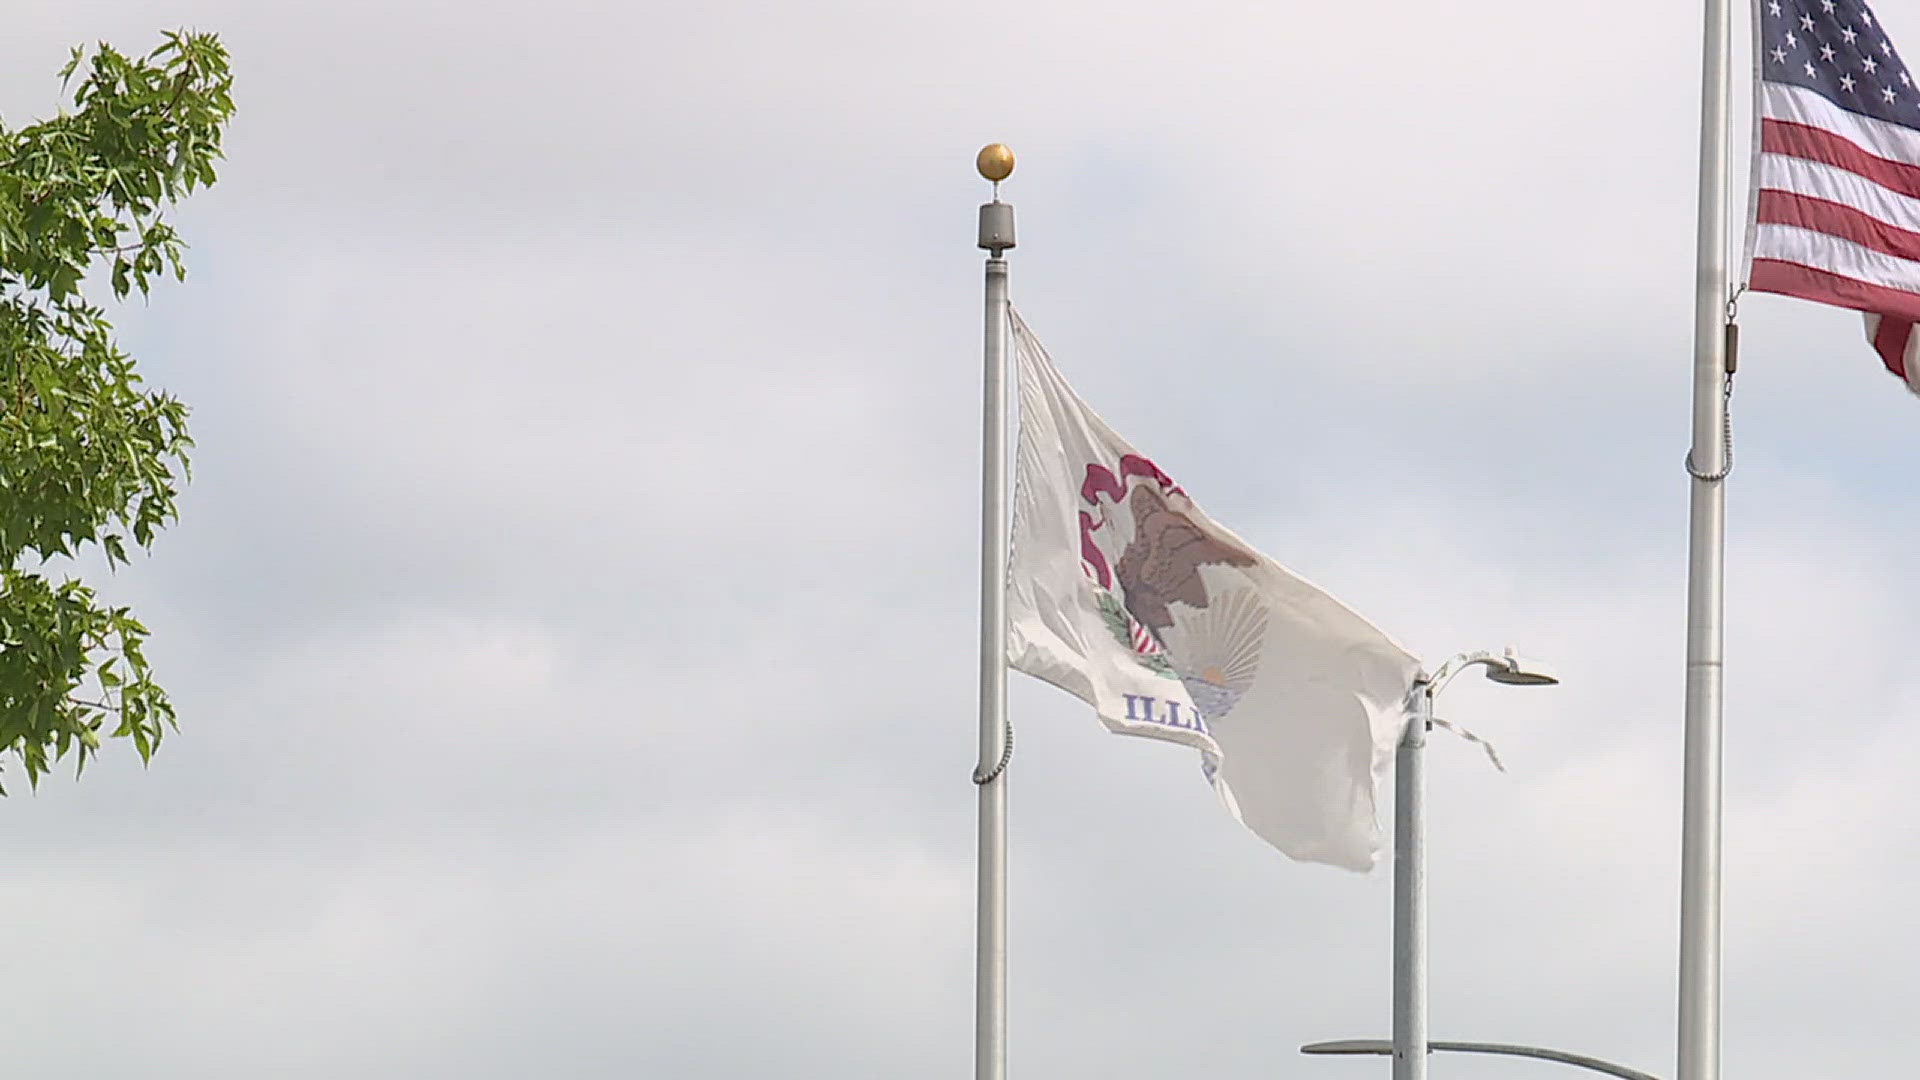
(1124, 593)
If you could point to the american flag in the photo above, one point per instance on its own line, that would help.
(1837, 218)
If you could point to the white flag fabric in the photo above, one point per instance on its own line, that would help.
(1124, 593)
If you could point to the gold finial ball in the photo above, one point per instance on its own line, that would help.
(995, 162)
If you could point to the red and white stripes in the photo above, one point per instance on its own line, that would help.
(1837, 218)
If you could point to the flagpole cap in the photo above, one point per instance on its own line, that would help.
(995, 162)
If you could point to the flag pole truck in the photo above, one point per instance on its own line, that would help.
(995, 163)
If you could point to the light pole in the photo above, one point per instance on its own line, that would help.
(1410, 855)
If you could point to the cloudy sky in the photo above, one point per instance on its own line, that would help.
(572, 617)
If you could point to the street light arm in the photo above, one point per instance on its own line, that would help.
(1458, 664)
(1582, 1061)
(1433, 683)
(1506, 666)
(1562, 1056)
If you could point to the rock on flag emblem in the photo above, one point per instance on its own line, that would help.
(1124, 593)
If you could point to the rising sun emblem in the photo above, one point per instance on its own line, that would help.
(1216, 650)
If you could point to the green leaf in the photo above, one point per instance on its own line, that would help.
(89, 455)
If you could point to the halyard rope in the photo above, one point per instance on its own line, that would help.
(983, 775)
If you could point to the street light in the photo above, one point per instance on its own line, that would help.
(1410, 856)
(1383, 1047)
(1508, 668)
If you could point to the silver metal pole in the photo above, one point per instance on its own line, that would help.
(1410, 894)
(990, 967)
(1699, 1044)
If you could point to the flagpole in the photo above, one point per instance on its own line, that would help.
(1699, 1012)
(995, 163)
